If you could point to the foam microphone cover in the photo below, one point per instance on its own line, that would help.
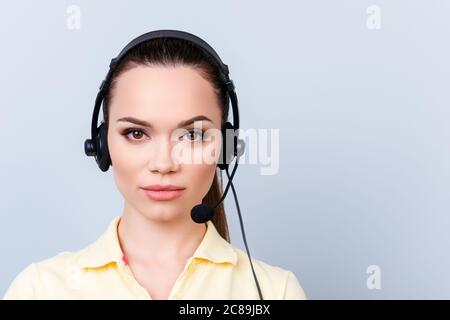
(202, 213)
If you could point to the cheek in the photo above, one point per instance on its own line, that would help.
(125, 168)
(200, 178)
(212, 150)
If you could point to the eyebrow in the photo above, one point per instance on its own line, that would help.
(183, 123)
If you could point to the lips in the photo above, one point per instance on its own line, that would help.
(163, 192)
(163, 187)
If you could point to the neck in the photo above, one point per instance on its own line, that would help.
(158, 242)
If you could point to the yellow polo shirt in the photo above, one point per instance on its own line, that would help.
(217, 270)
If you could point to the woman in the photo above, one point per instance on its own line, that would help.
(165, 104)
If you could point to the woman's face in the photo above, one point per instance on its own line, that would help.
(163, 153)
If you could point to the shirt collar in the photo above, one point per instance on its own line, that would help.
(106, 249)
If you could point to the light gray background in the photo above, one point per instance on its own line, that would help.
(363, 116)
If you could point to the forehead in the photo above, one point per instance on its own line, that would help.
(164, 95)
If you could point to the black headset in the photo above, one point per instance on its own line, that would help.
(97, 145)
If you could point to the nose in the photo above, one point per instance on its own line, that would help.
(162, 161)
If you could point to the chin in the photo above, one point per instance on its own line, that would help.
(161, 214)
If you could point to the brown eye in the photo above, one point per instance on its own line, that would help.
(133, 134)
(194, 135)
(137, 134)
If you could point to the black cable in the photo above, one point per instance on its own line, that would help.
(228, 185)
(242, 227)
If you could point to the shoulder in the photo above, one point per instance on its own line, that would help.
(283, 282)
(32, 280)
(59, 272)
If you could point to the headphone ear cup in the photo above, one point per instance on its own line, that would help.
(227, 151)
(103, 158)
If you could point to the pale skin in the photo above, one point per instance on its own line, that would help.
(158, 236)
